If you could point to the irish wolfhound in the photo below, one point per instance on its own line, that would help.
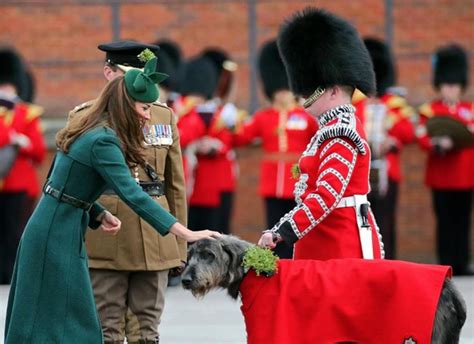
(218, 264)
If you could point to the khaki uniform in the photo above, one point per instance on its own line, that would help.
(138, 251)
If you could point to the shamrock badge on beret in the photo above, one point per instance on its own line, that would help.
(141, 85)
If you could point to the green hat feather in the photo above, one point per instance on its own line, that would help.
(141, 85)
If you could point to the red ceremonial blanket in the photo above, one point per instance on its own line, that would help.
(342, 300)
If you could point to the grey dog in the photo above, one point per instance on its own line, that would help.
(218, 264)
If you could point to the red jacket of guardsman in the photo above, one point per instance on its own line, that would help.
(23, 118)
(333, 168)
(284, 137)
(455, 169)
(396, 115)
(214, 170)
(342, 301)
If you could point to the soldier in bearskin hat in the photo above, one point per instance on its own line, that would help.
(22, 148)
(386, 118)
(285, 129)
(174, 57)
(326, 61)
(445, 132)
(198, 80)
(217, 164)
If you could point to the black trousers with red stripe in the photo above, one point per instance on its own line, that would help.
(453, 224)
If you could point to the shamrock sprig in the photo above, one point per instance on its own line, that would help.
(262, 260)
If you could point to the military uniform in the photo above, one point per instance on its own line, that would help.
(20, 184)
(332, 218)
(131, 269)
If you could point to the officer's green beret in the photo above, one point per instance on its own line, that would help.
(141, 85)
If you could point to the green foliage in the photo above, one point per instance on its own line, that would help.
(295, 171)
(262, 260)
(146, 55)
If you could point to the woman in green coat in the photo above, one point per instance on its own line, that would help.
(51, 299)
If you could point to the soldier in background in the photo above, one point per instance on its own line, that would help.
(130, 270)
(450, 167)
(285, 130)
(198, 81)
(386, 118)
(222, 168)
(22, 149)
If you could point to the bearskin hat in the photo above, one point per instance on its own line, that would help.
(172, 50)
(169, 61)
(272, 69)
(198, 76)
(383, 62)
(12, 69)
(28, 87)
(225, 69)
(320, 49)
(450, 66)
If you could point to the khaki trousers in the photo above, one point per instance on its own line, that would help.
(142, 293)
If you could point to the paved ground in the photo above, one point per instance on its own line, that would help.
(217, 319)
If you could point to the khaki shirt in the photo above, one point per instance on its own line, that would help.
(137, 246)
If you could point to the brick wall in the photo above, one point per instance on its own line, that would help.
(59, 39)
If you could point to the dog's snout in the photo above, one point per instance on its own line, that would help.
(186, 281)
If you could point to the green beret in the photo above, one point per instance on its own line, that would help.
(141, 85)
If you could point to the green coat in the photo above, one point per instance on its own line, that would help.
(51, 299)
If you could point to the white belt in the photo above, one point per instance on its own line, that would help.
(365, 233)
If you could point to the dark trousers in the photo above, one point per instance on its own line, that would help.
(453, 223)
(384, 209)
(13, 218)
(225, 212)
(276, 208)
(200, 218)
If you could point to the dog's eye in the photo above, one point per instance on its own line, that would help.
(206, 255)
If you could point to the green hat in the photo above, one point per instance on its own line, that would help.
(141, 85)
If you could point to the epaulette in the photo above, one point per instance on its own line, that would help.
(358, 96)
(33, 111)
(160, 104)
(394, 102)
(426, 110)
(341, 130)
(82, 106)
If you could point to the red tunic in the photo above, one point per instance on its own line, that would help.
(342, 300)
(396, 125)
(284, 137)
(454, 170)
(23, 119)
(214, 173)
(335, 165)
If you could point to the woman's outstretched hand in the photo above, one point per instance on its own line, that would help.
(110, 223)
(191, 236)
(198, 235)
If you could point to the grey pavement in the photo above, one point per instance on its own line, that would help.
(216, 319)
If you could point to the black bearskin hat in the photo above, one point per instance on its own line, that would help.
(12, 69)
(198, 76)
(450, 66)
(272, 69)
(169, 61)
(172, 50)
(225, 70)
(383, 62)
(320, 49)
(28, 87)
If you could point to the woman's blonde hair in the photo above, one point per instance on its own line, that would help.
(114, 108)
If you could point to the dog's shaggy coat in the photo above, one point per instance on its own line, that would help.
(218, 264)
